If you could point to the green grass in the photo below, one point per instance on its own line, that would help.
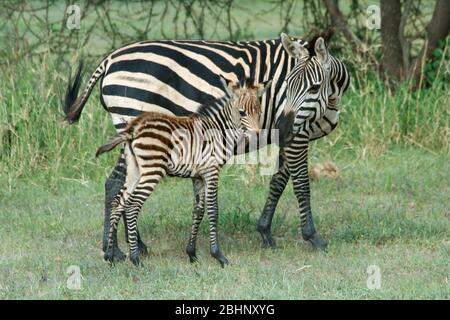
(381, 211)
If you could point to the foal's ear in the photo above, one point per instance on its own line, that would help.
(263, 87)
(293, 48)
(230, 86)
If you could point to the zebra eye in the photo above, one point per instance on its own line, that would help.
(242, 113)
(314, 88)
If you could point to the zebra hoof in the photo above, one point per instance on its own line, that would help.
(114, 255)
(318, 242)
(134, 258)
(193, 259)
(119, 255)
(220, 258)
(191, 252)
(223, 261)
(267, 240)
(108, 257)
(143, 251)
(269, 244)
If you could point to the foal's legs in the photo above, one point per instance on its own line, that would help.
(133, 205)
(197, 216)
(113, 186)
(118, 206)
(211, 184)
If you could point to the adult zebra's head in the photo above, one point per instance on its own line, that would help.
(307, 85)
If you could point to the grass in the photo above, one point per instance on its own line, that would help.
(386, 212)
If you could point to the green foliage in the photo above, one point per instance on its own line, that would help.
(34, 138)
(437, 69)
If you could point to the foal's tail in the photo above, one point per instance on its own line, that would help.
(118, 139)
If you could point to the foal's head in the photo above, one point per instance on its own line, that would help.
(246, 99)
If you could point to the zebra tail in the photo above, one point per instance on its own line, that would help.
(118, 139)
(72, 104)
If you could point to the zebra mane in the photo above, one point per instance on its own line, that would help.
(314, 35)
(214, 106)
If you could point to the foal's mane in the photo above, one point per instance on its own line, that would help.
(219, 103)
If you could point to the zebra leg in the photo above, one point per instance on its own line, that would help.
(113, 185)
(211, 185)
(142, 248)
(116, 213)
(277, 185)
(132, 210)
(133, 205)
(297, 159)
(197, 216)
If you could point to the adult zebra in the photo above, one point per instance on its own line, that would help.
(176, 77)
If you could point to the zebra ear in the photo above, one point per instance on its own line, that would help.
(293, 48)
(321, 50)
(228, 86)
(263, 87)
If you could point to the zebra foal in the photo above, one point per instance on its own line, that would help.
(194, 147)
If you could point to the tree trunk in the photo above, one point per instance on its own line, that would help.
(340, 22)
(437, 29)
(392, 59)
